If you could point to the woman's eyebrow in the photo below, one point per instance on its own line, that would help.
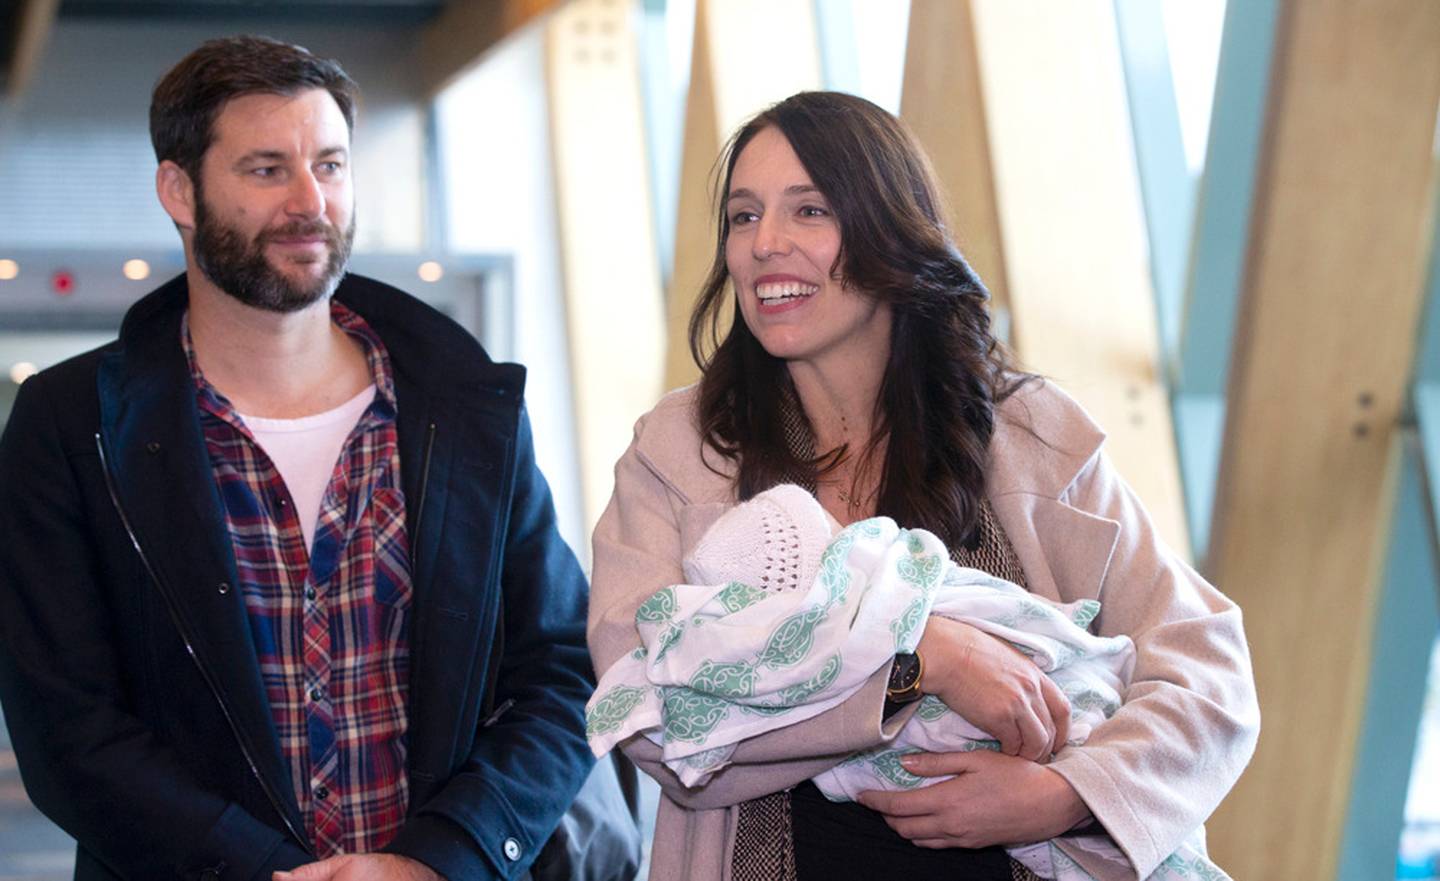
(792, 190)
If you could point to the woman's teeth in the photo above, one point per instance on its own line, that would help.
(785, 290)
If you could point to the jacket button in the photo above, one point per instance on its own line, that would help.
(152, 447)
(224, 588)
(512, 849)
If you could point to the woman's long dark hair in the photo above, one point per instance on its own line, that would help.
(946, 371)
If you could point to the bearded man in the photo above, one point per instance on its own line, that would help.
(280, 584)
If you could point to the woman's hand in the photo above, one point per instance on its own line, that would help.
(995, 688)
(993, 799)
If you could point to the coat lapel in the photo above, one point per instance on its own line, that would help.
(1039, 448)
(1065, 552)
(156, 455)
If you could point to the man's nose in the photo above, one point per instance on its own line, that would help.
(306, 198)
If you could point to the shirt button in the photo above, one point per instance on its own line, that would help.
(311, 593)
(317, 693)
(512, 849)
(282, 501)
(322, 792)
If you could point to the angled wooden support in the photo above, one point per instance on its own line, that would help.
(1072, 232)
(613, 298)
(459, 38)
(727, 86)
(1223, 209)
(33, 22)
(942, 103)
(1326, 338)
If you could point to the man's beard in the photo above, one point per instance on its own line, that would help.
(240, 268)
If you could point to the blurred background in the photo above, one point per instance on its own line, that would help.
(1213, 223)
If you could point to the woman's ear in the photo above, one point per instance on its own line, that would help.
(177, 193)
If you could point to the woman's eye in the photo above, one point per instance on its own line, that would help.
(740, 218)
(814, 211)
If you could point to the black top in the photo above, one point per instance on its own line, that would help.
(836, 841)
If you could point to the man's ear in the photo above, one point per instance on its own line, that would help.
(177, 193)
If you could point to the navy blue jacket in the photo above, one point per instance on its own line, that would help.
(131, 691)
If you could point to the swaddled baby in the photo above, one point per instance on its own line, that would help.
(777, 541)
(785, 615)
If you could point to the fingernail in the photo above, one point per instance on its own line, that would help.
(910, 761)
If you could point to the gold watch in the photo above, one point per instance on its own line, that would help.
(905, 673)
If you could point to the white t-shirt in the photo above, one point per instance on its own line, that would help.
(306, 450)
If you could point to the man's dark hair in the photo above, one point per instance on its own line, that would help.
(187, 100)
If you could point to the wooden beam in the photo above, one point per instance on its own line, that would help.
(33, 23)
(726, 87)
(1072, 230)
(944, 106)
(1323, 354)
(610, 262)
(466, 30)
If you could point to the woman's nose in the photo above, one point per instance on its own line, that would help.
(771, 238)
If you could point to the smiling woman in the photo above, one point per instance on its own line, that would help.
(781, 253)
(860, 365)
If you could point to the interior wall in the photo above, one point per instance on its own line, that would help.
(75, 158)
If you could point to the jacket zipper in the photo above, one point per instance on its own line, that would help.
(424, 485)
(185, 636)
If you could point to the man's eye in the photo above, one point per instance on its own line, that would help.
(330, 167)
(265, 171)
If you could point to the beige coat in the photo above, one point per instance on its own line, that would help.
(1150, 775)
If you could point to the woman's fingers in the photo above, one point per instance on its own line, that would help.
(1036, 731)
(915, 803)
(937, 764)
(1059, 707)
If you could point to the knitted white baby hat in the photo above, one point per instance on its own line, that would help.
(773, 541)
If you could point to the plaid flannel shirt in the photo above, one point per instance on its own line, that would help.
(328, 623)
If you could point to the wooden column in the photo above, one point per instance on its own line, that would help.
(610, 263)
(33, 22)
(1072, 232)
(1323, 353)
(943, 105)
(747, 55)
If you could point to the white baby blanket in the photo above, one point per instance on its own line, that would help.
(783, 622)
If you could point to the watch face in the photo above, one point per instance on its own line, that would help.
(905, 674)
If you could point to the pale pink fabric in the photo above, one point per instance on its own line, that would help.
(1150, 775)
